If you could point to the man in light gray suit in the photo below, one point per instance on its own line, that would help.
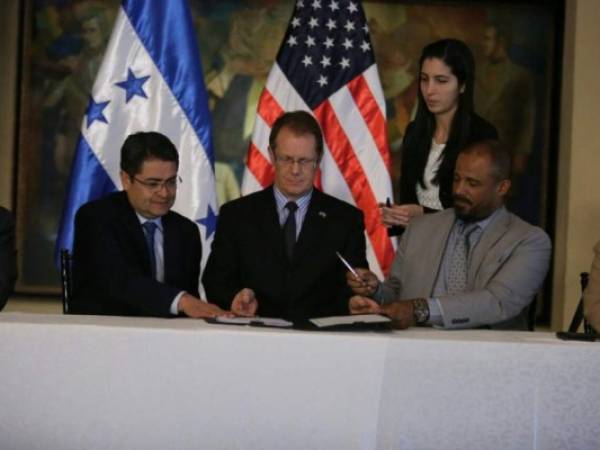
(472, 265)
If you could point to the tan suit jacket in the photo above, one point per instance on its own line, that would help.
(507, 268)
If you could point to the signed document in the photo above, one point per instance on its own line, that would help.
(260, 321)
(333, 321)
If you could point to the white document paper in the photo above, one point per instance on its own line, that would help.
(266, 321)
(348, 320)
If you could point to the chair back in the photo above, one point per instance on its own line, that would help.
(532, 314)
(66, 276)
(578, 316)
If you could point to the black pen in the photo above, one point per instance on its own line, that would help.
(388, 203)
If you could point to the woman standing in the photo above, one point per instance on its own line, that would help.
(444, 124)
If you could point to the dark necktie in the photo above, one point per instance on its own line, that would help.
(149, 229)
(289, 229)
(457, 275)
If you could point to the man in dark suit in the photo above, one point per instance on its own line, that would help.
(274, 252)
(8, 267)
(473, 265)
(133, 256)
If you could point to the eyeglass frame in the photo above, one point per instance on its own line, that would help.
(288, 161)
(155, 186)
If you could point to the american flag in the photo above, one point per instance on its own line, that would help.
(326, 65)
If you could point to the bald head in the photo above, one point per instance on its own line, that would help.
(499, 158)
(481, 180)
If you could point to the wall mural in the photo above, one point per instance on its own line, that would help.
(65, 40)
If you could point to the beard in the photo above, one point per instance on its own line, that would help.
(467, 212)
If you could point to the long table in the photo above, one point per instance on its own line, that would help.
(85, 382)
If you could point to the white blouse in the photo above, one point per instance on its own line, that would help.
(429, 195)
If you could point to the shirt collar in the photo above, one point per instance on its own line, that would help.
(143, 220)
(281, 199)
(483, 223)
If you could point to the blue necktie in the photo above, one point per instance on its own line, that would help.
(149, 229)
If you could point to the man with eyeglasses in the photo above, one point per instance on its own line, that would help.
(133, 256)
(274, 252)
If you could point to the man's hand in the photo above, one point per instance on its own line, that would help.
(401, 312)
(365, 285)
(399, 215)
(363, 305)
(198, 309)
(244, 303)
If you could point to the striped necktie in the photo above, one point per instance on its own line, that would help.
(149, 229)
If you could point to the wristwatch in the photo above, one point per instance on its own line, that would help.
(420, 311)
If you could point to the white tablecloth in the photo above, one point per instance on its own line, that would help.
(75, 382)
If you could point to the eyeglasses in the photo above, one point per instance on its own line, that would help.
(155, 185)
(303, 163)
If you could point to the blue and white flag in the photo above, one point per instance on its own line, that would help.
(150, 80)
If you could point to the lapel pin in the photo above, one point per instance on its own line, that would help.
(322, 214)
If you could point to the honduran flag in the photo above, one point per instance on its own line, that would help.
(150, 80)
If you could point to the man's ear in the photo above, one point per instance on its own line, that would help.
(125, 180)
(272, 155)
(503, 187)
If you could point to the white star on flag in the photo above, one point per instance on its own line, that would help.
(150, 80)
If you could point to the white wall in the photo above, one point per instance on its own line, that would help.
(578, 203)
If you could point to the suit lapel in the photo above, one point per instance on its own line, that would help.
(313, 227)
(495, 231)
(131, 224)
(170, 247)
(268, 222)
(438, 238)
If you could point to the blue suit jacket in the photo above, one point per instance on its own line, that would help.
(111, 264)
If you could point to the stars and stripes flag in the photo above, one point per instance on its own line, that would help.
(150, 80)
(326, 65)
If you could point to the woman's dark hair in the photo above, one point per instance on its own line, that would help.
(458, 57)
